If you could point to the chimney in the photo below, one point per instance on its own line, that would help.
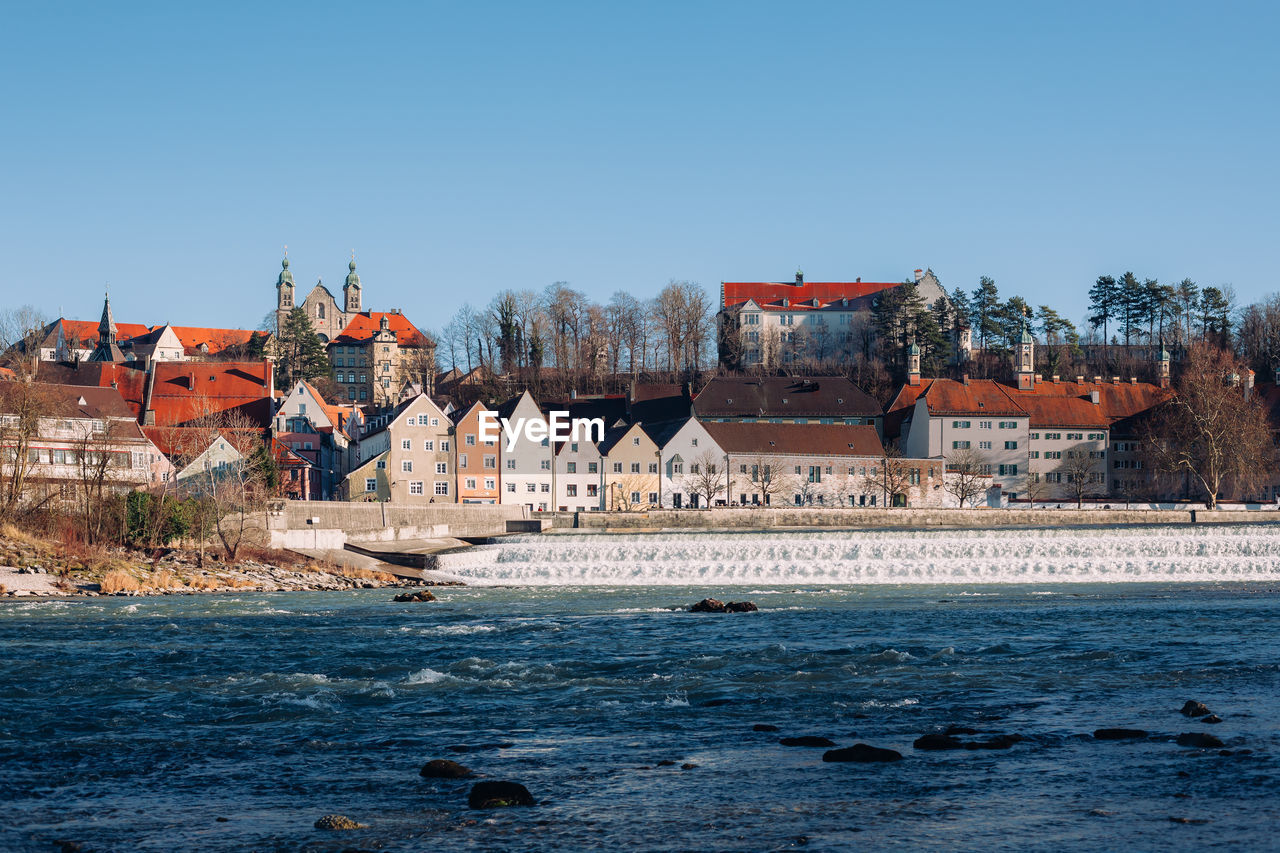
(148, 411)
(1079, 380)
(1115, 380)
(1056, 378)
(191, 380)
(965, 378)
(1097, 379)
(1133, 380)
(269, 377)
(858, 280)
(919, 274)
(573, 393)
(1094, 397)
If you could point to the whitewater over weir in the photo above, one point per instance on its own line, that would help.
(1004, 556)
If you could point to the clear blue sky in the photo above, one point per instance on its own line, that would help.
(463, 148)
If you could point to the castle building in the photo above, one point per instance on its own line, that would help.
(327, 317)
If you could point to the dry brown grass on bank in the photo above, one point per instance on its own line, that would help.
(163, 579)
(237, 582)
(8, 531)
(367, 575)
(202, 582)
(119, 581)
(273, 557)
(4, 590)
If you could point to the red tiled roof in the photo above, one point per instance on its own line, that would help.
(6, 373)
(216, 340)
(186, 391)
(979, 397)
(339, 416)
(86, 331)
(1064, 412)
(795, 439)
(1115, 400)
(800, 296)
(366, 324)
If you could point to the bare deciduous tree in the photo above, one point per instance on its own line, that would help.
(891, 475)
(964, 479)
(1080, 475)
(705, 478)
(1211, 430)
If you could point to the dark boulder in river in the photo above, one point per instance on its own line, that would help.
(496, 795)
(806, 740)
(443, 768)
(416, 595)
(1194, 709)
(862, 754)
(937, 741)
(1198, 739)
(337, 822)
(715, 605)
(1119, 734)
(764, 727)
(1212, 718)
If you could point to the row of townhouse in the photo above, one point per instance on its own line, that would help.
(640, 454)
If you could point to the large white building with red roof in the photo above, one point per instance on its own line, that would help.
(775, 323)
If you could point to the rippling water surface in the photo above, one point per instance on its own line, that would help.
(233, 722)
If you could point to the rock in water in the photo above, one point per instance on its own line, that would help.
(416, 595)
(1198, 739)
(1194, 709)
(708, 605)
(443, 768)
(496, 795)
(1119, 734)
(936, 741)
(1212, 718)
(740, 607)
(862, 754)
(806, 740)
(764, 727)
(337, 821)
(997, 742)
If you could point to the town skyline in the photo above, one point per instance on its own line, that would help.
(460, 152)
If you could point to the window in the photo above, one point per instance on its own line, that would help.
(511, 464)
(406, 444)
(471, 441)
(546, 488)
(959, 445)
(531, 487)
(422, 420)
(635, 441)
(444, 445)
(1011, 445)
(571, 490)
(742, 469)
(545, 464)
(653, 467)
(984, 445)
(1097, 436)
(462, 460)
(489, 483)
(382, 463)
(635, 497)
(428, 445)
(415, 487)
(442, 488)
(635, 467)
(470, 482)
(1075, 436)
(678, 468)
(1010, 470)
(573, 447)
(491, 462)
(985, 425)
(435, 422)
(442, 467)
(406, 465)
(571, 467)
(1035, 454)
(370, 484)
(617, 467)
(653, 497)
(593, 468)
(1053, 436)
(960, 424)
(592, 490)
(1035, 436)
(1008, 425)
(693, 442)
(511, 487)
(694, 468)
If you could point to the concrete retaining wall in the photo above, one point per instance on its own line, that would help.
(911, 518)
(371, 521)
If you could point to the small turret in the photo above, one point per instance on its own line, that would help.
(107, 350)
(1025, 361)
(284, 286)
(1162, 367)
(913, 363)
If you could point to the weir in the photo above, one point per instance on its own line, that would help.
(1058, 555)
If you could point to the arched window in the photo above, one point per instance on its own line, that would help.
(320, 311)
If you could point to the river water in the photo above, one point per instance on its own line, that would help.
(232, 722)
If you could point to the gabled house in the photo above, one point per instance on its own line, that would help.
(527, 472)
(404, 456)
(693, 465)
(479, 478)
(784, 399)
(632, 468)
(579, 478)
(317, 431)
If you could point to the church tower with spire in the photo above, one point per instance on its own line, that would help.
(351, 290)
(284, 292)
(1024, 361)
(107, 349)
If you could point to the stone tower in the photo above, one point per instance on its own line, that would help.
(284, 292)
(1162, 367)
(385, 351)
(1024, 361)
(351, 290)
(107, 350)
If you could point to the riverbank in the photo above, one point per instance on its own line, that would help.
(34, 566)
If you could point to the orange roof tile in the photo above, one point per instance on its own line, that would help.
(979, 397)
(216, 340)
(366, 324)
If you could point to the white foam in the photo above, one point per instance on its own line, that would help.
(1125, 554)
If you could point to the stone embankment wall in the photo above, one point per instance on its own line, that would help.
(903, 517)
(330, 524)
